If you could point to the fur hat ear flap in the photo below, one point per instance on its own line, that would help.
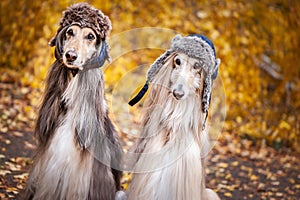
(156, 66)
(153, 70)
(100, 59)
(176, 38)
(52, 42)
(57, 41)
(216, 69)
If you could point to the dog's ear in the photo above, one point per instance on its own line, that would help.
(52, 41)
(58, 41)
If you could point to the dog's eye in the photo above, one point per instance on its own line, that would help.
(90, 37)
(197, 65)
(177, 61)
(70, 32)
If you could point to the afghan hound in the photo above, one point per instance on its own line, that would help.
(78, 151)
(174, 138)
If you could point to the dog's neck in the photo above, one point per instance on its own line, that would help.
(182, 115)
(171, 151)
(73, 71)
(175, 116)
(86, 105)
(169, 123)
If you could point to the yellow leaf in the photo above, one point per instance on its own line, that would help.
(253, 178)
(4, 172)
(227, 194)
(284, 125)
(21, 176)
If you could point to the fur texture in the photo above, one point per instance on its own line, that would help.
(195, 46)
(78, 150)
(173, 144)
(198, 47)
(84, 15)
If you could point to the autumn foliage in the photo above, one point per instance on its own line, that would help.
(257, 41)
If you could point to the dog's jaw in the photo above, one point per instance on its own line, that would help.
(72, 66)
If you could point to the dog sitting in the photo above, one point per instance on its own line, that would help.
(78, 151)
(174, 138)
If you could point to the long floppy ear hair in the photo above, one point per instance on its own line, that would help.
(161, 82)
(58, 42)
(153, 70)
(57, 80)
(52, 108)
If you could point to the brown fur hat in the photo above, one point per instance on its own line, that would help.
(84, 15)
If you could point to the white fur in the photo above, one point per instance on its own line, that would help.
(62, 165)
(173, 144)
(179, 165)
(63, 172)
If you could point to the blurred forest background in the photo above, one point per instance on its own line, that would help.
(257, 41)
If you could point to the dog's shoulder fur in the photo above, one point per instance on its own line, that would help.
(78, 154)
(52, 108)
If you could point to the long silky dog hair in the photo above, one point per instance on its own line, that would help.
(78, 151)
(174, 138)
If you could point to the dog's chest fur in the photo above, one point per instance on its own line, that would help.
(65, 169)
(67, 173)
(178, 168)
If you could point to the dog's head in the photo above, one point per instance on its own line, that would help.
(81, 40)
(193, 51)
(79, 46)
(189, 49)
(186, 75)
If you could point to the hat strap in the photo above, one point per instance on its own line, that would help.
(140, 95)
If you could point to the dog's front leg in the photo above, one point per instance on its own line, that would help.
(120, 195)
(209, 194)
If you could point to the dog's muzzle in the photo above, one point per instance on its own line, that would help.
(71, 56)
(178, 92)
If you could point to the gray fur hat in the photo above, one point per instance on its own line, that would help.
(195, 46)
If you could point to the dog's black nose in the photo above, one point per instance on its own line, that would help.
(71, 55)
(178, 94)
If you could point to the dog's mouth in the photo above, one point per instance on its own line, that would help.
(72, 63)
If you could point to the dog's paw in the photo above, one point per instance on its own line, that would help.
(120, 195)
